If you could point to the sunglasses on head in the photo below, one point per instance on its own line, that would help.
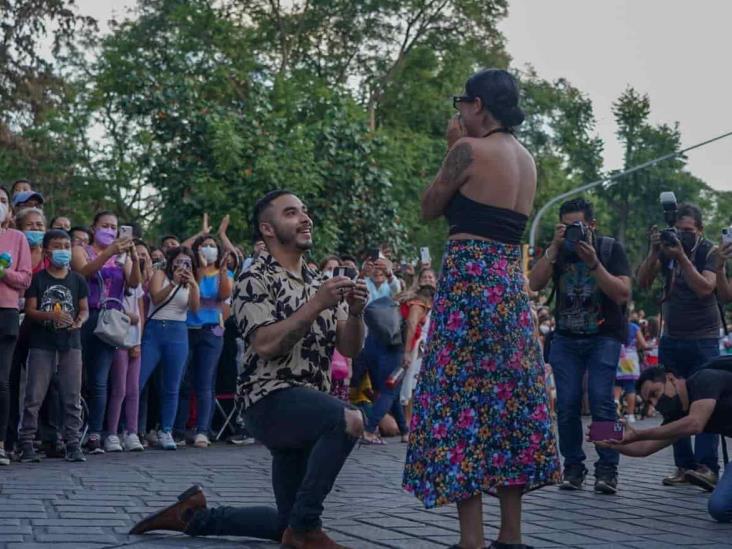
(182, 264)
(461, 99)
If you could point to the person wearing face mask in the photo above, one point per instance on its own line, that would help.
(33, 224)
(173, 293)
(701, 403)
(98, 263)
(56, 304)
(591, 279)
(691, 322)
(125, 372)
(205, 337)
(15, 277)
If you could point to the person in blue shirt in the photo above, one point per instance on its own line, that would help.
(205, 336)
(380, 279)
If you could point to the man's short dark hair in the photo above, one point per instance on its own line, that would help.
(693, 211)
(347, 257)
(261, 206)
(54, 234)
(81, 229)
(168, 237)
(651, 374)
(578, 205)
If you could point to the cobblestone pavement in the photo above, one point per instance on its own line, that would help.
(94, 504)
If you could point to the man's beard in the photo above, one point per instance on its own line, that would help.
(286, 239)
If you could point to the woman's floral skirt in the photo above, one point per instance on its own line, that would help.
(481, 417)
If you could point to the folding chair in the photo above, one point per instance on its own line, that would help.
(226, 417)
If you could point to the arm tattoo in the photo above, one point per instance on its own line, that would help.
(456, 162)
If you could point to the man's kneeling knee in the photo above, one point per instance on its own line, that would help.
(720, 510)
(354, 423)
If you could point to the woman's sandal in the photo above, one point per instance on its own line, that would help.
(500, 545)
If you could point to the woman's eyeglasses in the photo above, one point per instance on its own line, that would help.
(461, 99)
(182, 265)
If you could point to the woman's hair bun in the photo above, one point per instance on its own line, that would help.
(499, 93)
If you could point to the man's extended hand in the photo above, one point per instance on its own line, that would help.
(332, 291)
(357, 298)
(630, 435)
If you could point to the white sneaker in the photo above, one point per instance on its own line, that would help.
(630, 418)
(201, 441)
(111, 444)
(132, 443)
(165, 441)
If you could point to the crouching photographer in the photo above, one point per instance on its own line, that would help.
(686, 262)
(700, 404)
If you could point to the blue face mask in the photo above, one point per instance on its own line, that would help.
(35, 238)
(61, 258)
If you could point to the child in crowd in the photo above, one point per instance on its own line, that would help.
(56, 303)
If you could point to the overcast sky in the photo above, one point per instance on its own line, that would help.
(677, 51)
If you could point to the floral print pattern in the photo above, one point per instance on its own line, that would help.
(481, 417)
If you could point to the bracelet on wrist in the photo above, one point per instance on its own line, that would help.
(551, 260)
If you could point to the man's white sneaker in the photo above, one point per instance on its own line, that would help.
(630, 418)
(111, 444)
(132, 443)
(201, 441)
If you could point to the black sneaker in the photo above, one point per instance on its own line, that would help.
(74, 453)
(574, 477)
(28, 454)
(94, 445)
(606, 481)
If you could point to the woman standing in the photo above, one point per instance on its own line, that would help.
(481, 419)
(109, 265)
(15, 277)
(125, 373)
(205, 336)
(173, 292)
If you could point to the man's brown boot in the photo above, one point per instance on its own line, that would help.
(314, 539)
(174, 517)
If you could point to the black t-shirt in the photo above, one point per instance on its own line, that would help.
(54, 294)
(717, 385)
(686, 315)
(582, 309)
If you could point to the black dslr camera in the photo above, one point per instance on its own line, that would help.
(574, 233)
(669, 235)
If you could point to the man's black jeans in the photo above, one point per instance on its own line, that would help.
(305, 430)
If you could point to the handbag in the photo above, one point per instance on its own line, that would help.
(112, 324)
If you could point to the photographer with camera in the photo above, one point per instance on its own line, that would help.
(700, 404)
(592, 284)
(686, 261)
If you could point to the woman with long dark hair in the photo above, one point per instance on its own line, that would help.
(481, 419)
(173, 292)
(109, 264)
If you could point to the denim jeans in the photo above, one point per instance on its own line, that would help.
(305, 431)
(203, 359)
(165, 343)
(570, 359)
(97, 361)
(380, 361)
(685, 357)
(720, 502)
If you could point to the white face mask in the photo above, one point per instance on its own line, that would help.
(328, 274)
(3, 212)
(545, 329)
(210, 254)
